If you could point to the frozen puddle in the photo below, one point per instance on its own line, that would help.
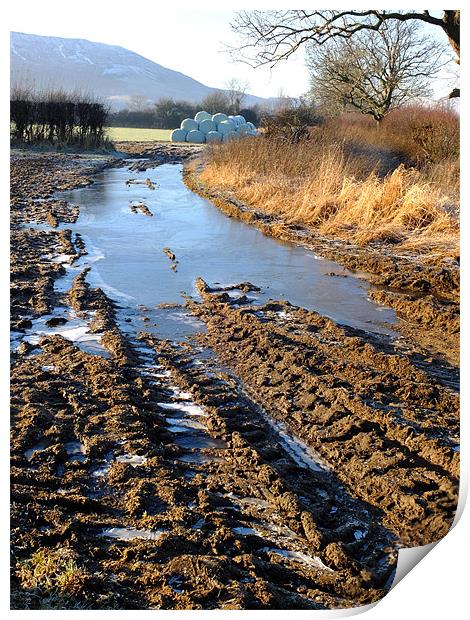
(297, 556)
(64, 320)
(280, 535)
(248, 501)
(73, 268)
(302, 454)
(181, 425)
(71, 327)
(132, 459)
(187, 319)
(246, 531)
(237, 252)
(180, 394)
(189, 408)
(152, 371)
(63, 259)
(199, 441)
(75, 451)
(102, 470)
(175, 582)
(42, 445)
(130, 533)
(184, 418)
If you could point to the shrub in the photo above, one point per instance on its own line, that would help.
(57, 117)
(251, 115)
(290, 124)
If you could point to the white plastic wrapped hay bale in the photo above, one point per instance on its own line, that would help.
(213, 137)
(207, 125)
(196, 137)
(202, 116)
(178, 135)
(244, 130)
(189, 124)
(226, 127)
(219, 117)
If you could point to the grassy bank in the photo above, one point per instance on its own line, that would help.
(335, 182)
(137, 134)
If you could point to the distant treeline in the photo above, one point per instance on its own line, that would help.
(57, 117)
(168, 114)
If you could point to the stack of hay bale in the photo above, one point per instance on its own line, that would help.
(207, 128)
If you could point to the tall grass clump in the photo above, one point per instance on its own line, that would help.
(326, 184)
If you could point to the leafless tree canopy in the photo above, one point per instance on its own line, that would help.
(270, 36)
(376, 70)
(138, 103)
(236, 93)
(216, 101)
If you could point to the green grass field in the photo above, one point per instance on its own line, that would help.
(131, 134)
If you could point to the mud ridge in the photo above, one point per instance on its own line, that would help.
(388, 430)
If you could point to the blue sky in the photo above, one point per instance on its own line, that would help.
(186, 40)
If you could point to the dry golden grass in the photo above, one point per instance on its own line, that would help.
(316, 184)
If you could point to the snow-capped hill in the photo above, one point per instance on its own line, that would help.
(108, 71)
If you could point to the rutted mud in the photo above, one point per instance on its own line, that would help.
(278, 462)
(387, 428)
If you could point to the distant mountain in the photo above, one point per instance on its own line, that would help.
(107, 71)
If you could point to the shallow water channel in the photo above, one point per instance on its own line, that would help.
(131, 267)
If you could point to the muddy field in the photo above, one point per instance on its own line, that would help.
(275, 460)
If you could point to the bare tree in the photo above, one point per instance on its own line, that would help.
(236, 92)
(216, 101)
(268, 37)
(375, 71)
(138, 103)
